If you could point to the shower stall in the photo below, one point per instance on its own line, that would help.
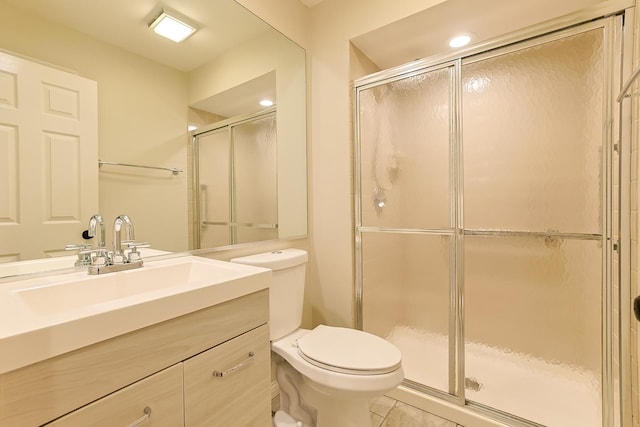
(486, 231)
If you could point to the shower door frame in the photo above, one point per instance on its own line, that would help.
(617, 54)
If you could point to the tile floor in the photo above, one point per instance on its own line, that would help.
(387, 412)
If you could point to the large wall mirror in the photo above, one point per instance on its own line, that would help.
(154, 96)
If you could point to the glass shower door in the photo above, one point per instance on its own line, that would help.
(407, 239)
(484, 224)
(533, 225)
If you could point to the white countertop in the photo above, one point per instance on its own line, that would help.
(33, 332)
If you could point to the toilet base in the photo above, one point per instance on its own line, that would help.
(344, 410)
(282, 419)
(291, 403)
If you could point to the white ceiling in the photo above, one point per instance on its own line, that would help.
(124, 23)
(428, 32)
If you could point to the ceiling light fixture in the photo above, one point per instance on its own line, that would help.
(171, 27)
(460, 41)
(266, 103)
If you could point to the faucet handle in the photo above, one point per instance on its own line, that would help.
(100, 258)
(134, 255)
(84, 253)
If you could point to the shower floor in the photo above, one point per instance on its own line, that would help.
(550, 394)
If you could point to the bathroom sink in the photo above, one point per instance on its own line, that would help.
(89, 290)
(51, 315)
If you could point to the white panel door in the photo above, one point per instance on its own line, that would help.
(48, 158)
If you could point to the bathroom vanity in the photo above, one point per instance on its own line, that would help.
(194, 354)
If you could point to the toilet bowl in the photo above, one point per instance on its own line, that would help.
(338, 390)
(327, 375)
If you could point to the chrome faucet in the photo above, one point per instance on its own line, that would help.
(96, 229)
(96, 224)
(88, 255)
(120, 222)
(125, 255)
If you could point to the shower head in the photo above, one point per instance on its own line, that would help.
(379, 199)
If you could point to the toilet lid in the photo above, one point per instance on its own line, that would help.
(349, 351)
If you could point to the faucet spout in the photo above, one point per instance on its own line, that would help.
(121, 221)
(96, 225)
(125, 255)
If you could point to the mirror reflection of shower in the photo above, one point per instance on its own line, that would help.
(235, 165)
(385, 166)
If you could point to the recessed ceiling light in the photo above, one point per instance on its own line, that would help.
(171, 28)
(460, 41)
(266, 103)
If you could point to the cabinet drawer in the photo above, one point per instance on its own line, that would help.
(229, 385)
(161, 393)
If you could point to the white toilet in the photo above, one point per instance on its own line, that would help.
(326, 375)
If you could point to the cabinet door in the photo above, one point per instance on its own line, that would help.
(155, 401)
(229, 385)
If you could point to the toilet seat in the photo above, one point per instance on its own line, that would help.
(348, 351)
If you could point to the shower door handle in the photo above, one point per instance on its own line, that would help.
(636, 307)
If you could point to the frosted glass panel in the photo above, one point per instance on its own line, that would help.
(254, 161)
(404, 152)
(255, 180)
(533, 328)
(213, 168)
(406, 300)
(533, 126)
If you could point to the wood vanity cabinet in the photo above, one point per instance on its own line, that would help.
(207, 368)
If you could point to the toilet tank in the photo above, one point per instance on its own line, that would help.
(286, 293)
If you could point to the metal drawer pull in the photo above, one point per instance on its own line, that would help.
(244, 363)
(142, 419)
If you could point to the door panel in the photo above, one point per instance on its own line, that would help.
(49, 146)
